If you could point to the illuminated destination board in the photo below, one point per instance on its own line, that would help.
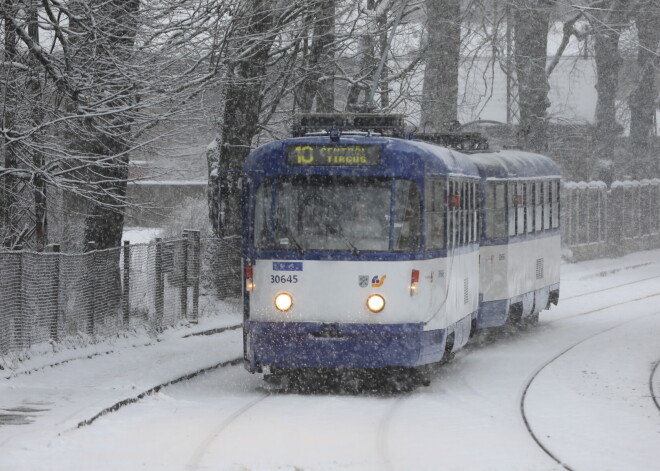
(332, 154)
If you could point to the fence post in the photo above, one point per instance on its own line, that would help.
(572, 216)
(125, 306)
(616, 220)
(159, 292)
(54, 326)
(193, 272)
(90, 267)
(183, 290)
(19, 324)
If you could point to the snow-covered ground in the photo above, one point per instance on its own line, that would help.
(575, 393)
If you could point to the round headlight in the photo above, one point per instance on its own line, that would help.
(376, 303)
(283, 302)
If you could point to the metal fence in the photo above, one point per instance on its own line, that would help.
(597, 221)
(48, 296)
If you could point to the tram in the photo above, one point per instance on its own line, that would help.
(360, 248)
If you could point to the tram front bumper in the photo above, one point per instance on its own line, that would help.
(322, 345)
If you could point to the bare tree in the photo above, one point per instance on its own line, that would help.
(70, 93)
(440, 91)
(243, 95)
(102, 48)
(317, 61)
(532, 19)
(607, 22)
(643, 101)
(10, 182)
(86, 84)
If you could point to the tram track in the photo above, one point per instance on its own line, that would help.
(580, 314)
(202, 449)
(535, 436)
(589, 293)
(654, 394)
(382, 447)
(133, 399)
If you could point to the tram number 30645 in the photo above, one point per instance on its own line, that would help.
(283, 279)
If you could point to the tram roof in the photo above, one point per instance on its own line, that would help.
(509, 163)
(401, 157)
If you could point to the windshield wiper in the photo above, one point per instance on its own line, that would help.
(334, 231)
(290, 237)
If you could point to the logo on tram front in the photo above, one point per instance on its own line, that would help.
(377, 282)
(363, 281)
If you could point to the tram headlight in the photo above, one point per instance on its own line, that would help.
(283, 302)
(376, 303)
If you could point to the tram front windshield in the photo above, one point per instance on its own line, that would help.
(337, 214)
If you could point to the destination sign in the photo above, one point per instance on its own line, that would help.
(332, 155)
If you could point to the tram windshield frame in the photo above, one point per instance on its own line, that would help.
(331, 213)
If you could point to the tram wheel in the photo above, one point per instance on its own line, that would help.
(531, 320)
(449, 346)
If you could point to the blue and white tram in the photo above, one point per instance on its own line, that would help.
(359, 251)
(520, 244)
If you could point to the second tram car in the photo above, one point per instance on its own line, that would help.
(363, 251)
(520, 245)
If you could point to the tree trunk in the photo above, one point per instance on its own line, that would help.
(240, 124)
(38, 160)
(642, 100)
(318, 61)
(606, 128)
(9, 181)
(324, 49)
(531, 18)
(606, 30)
(367, 65)
(385, 74)
(440, 88)
(105, 224)
(306, 90)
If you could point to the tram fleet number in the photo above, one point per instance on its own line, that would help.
(283, 279)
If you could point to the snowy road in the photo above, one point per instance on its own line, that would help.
(580, 385)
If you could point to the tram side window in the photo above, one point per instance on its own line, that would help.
(473, 213)
(436, 197)
(528, 191)
(520, 208)
(454, 206)
(555, 203)
(463, 209)
(452, 200)
(467, 204)
(538, 206)
(407, 226)
(449, 215)
(510, 197)
(496, 210)
(458, 212)
(262, 208)
(546, 205)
